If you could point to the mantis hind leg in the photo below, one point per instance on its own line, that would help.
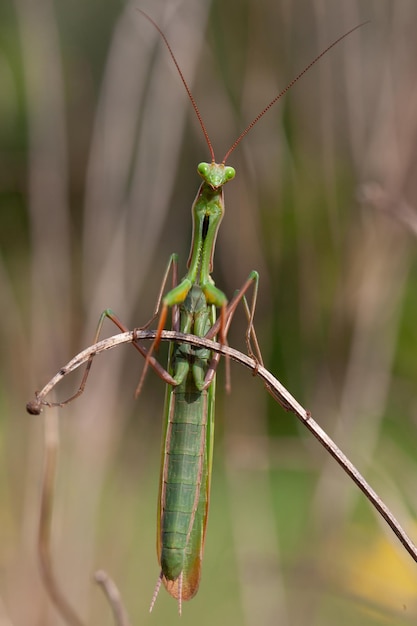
(107, 314)
(149, 359)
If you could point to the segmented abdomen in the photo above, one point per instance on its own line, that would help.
(184, 496)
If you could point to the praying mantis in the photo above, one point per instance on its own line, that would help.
(187, 446)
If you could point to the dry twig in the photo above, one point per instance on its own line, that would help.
(274, 387)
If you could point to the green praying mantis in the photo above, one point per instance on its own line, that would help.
(187, 446)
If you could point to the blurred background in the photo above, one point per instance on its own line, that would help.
(98, 151)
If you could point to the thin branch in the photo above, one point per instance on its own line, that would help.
(44, 540)
(113, 597)
(45, 523)
(274, 387)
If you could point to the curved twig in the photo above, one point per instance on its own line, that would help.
(45, 524)
(113, 597)
(274, 387)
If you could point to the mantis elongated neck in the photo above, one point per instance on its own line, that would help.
(207, 213)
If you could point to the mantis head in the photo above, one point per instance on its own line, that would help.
(216, 174)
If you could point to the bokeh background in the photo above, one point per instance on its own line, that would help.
(98, 154)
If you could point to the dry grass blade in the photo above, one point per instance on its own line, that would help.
(113, 597)
(273, 386)
(52, 586)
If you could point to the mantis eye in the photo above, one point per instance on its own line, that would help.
(203, 169)
(229, 172)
